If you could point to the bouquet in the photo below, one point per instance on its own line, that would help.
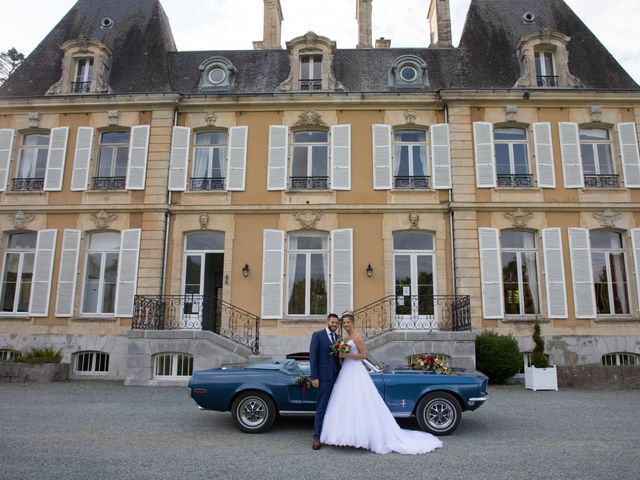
(340, 346)
(304, 381)
(430, 363)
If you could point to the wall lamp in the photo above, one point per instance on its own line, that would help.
(245, 271)
(369, 271)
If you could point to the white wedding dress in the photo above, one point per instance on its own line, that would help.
(358, 417)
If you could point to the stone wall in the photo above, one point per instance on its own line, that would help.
(599, 377)
(18, 372)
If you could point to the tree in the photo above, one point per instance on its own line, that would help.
(9, 61)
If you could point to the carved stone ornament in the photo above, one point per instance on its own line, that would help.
(21, 220)
(103, 219)
(311, 38)
(414, 220)
(410, 116)
(114, 117)
(607, 218)
(596, 114)
(34, 120)
(83, 43)
(308, 219)
(519, 218)
(310, 118)
(511, 113)
(204, 220)
(210, 119)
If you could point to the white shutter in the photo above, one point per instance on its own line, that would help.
(341, 157)
(42, 271)
(68, 273)
(82, 160)
(485, 154)
(138, 152)
(382, 159)
(278, 153)
(571, 158)
(491, 272)
(554, 273)
(272, 273)
(629, 152)
(584, 297)
(341, 270)
(635, 243)
(237, 164)
(127, 272)
(543, 146)
(440, 156)
(6, 149)
(55, 159)
(179, 163)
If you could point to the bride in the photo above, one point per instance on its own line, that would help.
(357, 415)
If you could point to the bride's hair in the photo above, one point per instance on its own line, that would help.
(348, 314)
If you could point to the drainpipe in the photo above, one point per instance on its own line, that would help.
(452, 235)
(167, 222)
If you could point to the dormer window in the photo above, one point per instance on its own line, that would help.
(408, 71)
(84, 70)
(217, 73)
(311, 72)
(545, 73)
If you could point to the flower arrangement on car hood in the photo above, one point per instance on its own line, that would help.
(430, 363)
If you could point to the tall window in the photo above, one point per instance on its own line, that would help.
(84, 72)
(210, 161)
(512, 157)
(545, 70)
(411, 159)
(308, 274)
(520, 273)
(609, 273)
(33, 163)
(597, 159)
(413, 265)
(311, 72)
(310, 165)
(101, 273)
(112, 161)
(18, 272)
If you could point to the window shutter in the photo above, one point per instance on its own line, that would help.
(635, 243)
(272, 273)
(237, 165)
(382, 159)
(6, 149)
(82, 160)
(543, 146)
(179, 163)
(278, 152)
(441, 156)
(127, 272)
(42, 271)
(138, 152)
(491, 271)
(629, 152)
(571, 158)
(584, 297)
(485, 154)
(68, 273)
(341, 157)
(341, 270)
(554, 273)
(55, 159)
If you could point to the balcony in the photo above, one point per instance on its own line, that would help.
(207, 183)
(311, 84)
(81, 87)
(309, 183)
(515, 181)
(601, 181)
(547, 80)
(412, 183)
(28, 184)
(109, 183)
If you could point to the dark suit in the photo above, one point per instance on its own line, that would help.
(324, 367)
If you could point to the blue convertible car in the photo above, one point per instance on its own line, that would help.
(258, 393)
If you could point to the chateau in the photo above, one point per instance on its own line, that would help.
(164, 211)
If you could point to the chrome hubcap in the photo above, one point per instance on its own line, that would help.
(440, 414)
(253, 412)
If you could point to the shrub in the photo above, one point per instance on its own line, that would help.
(497, 356)
(41, 355)
(538, 358)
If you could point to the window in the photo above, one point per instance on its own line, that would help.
(512, 157)
(218, 74)
(308, 274)
(597, 159)
(411, 159)
(84, 72)
(310, 165)
(113, 157)
(621, 359)
(18, 272)
(520, 273)
(311, 72)
(408, 71)
(545, 71)
(609, 273)
(173, 365)
(8, 355)
(32, 164)
(210, 161)
(91, 362)
(101, 273)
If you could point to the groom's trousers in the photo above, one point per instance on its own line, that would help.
(324, 392)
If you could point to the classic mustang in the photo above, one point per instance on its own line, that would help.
(258, 393)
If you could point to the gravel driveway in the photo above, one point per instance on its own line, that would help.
(101, 430)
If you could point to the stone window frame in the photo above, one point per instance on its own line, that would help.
(94, 168)
(6, 251)
(310, 128)
(192, 163)
(614, 359)
(428, 160)
(96, 360)
(76, 50)
(395, 79)
(15, 164)
(85, 251)
(217, 63)
(174, 360)
(613, 142)
(530, 150)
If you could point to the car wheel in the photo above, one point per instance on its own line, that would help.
(253, 412)
(439, 413)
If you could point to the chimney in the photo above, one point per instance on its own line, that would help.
(383, 42)
(363, 15)
(440, 24)
(271, 38)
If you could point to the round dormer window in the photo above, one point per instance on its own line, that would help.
(106, 23)
(529, 17)
(408, 73)
(217, 75)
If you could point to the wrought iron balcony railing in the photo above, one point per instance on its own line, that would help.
(547, 80)
(81, 87)
(28, 184)
(415, 313)
(109, 183)
(197, 312)
(515, 181)
(311, 84)
(412, 183)
(601, 181)
(207, 183)
(309, 183)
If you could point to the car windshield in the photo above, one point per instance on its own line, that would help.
(375, 362)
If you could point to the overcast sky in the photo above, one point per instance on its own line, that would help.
(234, 24)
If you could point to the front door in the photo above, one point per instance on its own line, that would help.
(413, 289)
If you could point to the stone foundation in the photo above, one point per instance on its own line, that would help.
(599, 377)
(20, 372)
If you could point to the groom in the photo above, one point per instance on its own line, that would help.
(324, 370)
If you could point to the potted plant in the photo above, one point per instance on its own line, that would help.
(540, 375)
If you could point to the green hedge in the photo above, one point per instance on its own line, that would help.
(497, 356)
